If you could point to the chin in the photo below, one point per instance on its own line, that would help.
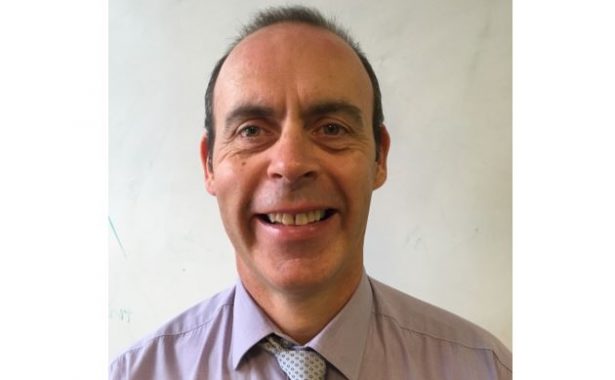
(300, 278)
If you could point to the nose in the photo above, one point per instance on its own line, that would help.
(293, 156)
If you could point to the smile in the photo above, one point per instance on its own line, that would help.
(298, 219)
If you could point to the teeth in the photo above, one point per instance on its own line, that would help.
(311, 217)
(301, 219)
(287, 219)
(296, 219)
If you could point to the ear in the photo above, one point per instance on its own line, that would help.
(383, 152)
(207, 168)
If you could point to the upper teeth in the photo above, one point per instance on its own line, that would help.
(296, 219)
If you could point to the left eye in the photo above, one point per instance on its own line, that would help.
(250, 131)
(332, 129)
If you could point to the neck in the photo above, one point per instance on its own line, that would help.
(301, 314)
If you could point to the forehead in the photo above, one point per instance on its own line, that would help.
(291, 61)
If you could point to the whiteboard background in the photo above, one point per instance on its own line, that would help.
(439, 229)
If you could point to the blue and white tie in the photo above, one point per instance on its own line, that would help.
(298, 363)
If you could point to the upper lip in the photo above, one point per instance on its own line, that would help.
(293, 209)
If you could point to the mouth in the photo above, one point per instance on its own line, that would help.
(296, 219)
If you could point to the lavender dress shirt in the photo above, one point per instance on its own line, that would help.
(380, 333)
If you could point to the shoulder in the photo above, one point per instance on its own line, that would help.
(193, 327)
(195, 318)
(414, 316)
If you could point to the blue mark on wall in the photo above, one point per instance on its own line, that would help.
(117, 238)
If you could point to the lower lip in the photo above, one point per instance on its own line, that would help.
(289, 233)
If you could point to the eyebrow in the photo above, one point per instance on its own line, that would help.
(334, 106)
(322, 108)
(248, 111)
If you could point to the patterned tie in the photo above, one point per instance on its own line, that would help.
(297, 363)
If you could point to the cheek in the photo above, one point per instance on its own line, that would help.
(355, 178)
(230, 169)
(234, 203)
(359, 170)
(236, 182)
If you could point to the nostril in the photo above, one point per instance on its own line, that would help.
(293, 173)
(292, 163)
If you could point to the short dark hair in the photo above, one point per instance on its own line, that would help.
(293, 14)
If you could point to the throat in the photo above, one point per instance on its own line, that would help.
(301, 314)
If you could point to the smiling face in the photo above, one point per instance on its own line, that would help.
(294, 162)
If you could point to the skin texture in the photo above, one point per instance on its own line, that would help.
(293, 110)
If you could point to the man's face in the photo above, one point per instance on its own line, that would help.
(293, 164)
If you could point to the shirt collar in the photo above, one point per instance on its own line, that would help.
(341, 342)
(250, 324)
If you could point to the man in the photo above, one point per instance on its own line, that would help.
(295, 145)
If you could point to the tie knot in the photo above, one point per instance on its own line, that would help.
(297, 362)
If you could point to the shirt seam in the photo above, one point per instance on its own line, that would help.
(444, 339)
(500, 361)
(192, 329)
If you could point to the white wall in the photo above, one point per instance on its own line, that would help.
(440, 228)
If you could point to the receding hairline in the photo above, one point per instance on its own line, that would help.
(346, 51)
(274, 29)
(292, 24)
(297, 14)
